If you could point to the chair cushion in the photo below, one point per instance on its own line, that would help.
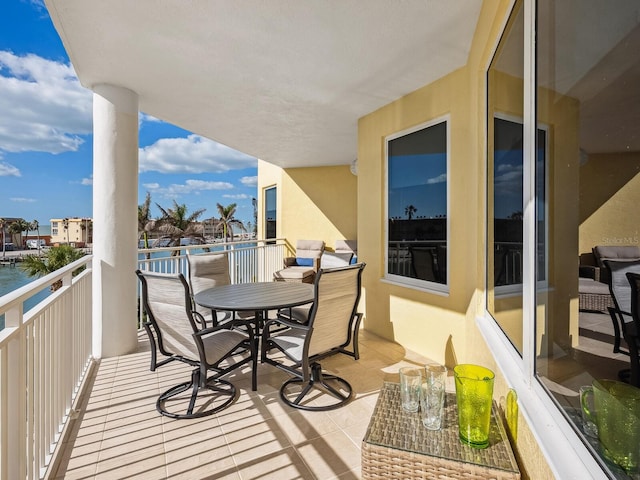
(588, 285)
(346, 246)
(309, 248)
(294, 273)
(615, 252)
(304, 261)
(335, 259)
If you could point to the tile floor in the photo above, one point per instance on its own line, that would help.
(119, 435)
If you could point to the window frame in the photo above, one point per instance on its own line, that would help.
(415, 283)
(564, 450)
(265, 227)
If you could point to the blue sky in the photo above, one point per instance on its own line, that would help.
(46, 137)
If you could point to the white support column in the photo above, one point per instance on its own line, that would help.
(115, 228)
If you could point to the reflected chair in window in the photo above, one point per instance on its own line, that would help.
(176, 332)
(621, 294)
(209, 270)
(302, 267)
(423, 264)
(632, 330)
(332, 325)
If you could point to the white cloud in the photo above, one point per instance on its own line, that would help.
(249, 181)
(22, 200)
(439, 179)
(43, 107)
(240, 196)
(6, 170)
(508, 179)
(87, 181)
(194, 154)
(189, 187)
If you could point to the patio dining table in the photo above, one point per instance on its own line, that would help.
(258, 297)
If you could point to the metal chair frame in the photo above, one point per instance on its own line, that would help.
(305, 366)
(242, 341)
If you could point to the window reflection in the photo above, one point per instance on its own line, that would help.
(588, 72)
(505, 181)
(417, 204)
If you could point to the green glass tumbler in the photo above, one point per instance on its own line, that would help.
(474, 395)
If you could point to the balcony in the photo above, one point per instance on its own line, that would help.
(118, 433)
(87, 418)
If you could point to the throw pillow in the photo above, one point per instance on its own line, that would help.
(304, 262)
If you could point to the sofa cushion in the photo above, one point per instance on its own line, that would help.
(590, 286)
(335, 259)
(615, 252)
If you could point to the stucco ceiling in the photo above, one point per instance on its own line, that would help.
(282, 80)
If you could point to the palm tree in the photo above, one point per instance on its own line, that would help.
(55, 259)
(175, 223)
(409, 210)
(226, 222)
(145, 223)
(17, 227)
(87, 228)
(35, 225)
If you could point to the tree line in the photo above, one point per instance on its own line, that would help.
(176, 223)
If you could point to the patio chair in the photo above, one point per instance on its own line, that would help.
(423, 265)
(178, 333)
(332, 324)
(208, 270)
(621, 294)
(348, 246)
(632, 332)
(302, 267)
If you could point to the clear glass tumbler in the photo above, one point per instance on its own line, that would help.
(432, 395)
(410, 381)
(474, 396)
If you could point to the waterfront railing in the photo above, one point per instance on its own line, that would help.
(45, 353)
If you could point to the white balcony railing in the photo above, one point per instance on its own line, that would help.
(45, 352)
(252, 261)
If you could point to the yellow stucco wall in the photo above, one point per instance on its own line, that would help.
(441, 327)
(609, 187)
(312, 203)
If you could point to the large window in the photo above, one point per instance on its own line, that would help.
(417, 206)
(582, 83)
(270, 212)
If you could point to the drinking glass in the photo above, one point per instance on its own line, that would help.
(474, 395)
(617, 417)
(432, 395)
(410, 381)
(588, 424)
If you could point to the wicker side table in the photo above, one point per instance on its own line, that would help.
(397, 445)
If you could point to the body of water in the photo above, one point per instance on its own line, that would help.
(12, 278)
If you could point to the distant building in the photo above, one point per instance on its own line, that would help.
(76, 231)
